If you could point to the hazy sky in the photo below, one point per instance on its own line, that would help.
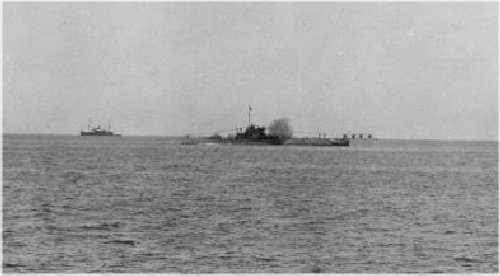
(399, 70)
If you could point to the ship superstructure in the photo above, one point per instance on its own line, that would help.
(254, 135)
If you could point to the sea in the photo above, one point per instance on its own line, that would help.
(150, 205)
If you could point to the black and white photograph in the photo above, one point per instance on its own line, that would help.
(250, 137)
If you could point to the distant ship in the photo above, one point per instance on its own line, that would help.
(98, 131)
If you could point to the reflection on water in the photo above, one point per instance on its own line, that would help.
(95, 204)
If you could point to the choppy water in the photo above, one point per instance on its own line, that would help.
(88, 204)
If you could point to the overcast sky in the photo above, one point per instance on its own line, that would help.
(398, 70)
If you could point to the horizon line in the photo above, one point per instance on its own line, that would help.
(180, 136)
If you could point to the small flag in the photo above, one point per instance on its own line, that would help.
(250, 108)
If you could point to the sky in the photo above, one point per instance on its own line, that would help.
(398, 70)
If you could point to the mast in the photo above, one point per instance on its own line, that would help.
(249, 110)
(90, 122)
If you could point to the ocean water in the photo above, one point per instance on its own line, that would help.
(96, 204)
